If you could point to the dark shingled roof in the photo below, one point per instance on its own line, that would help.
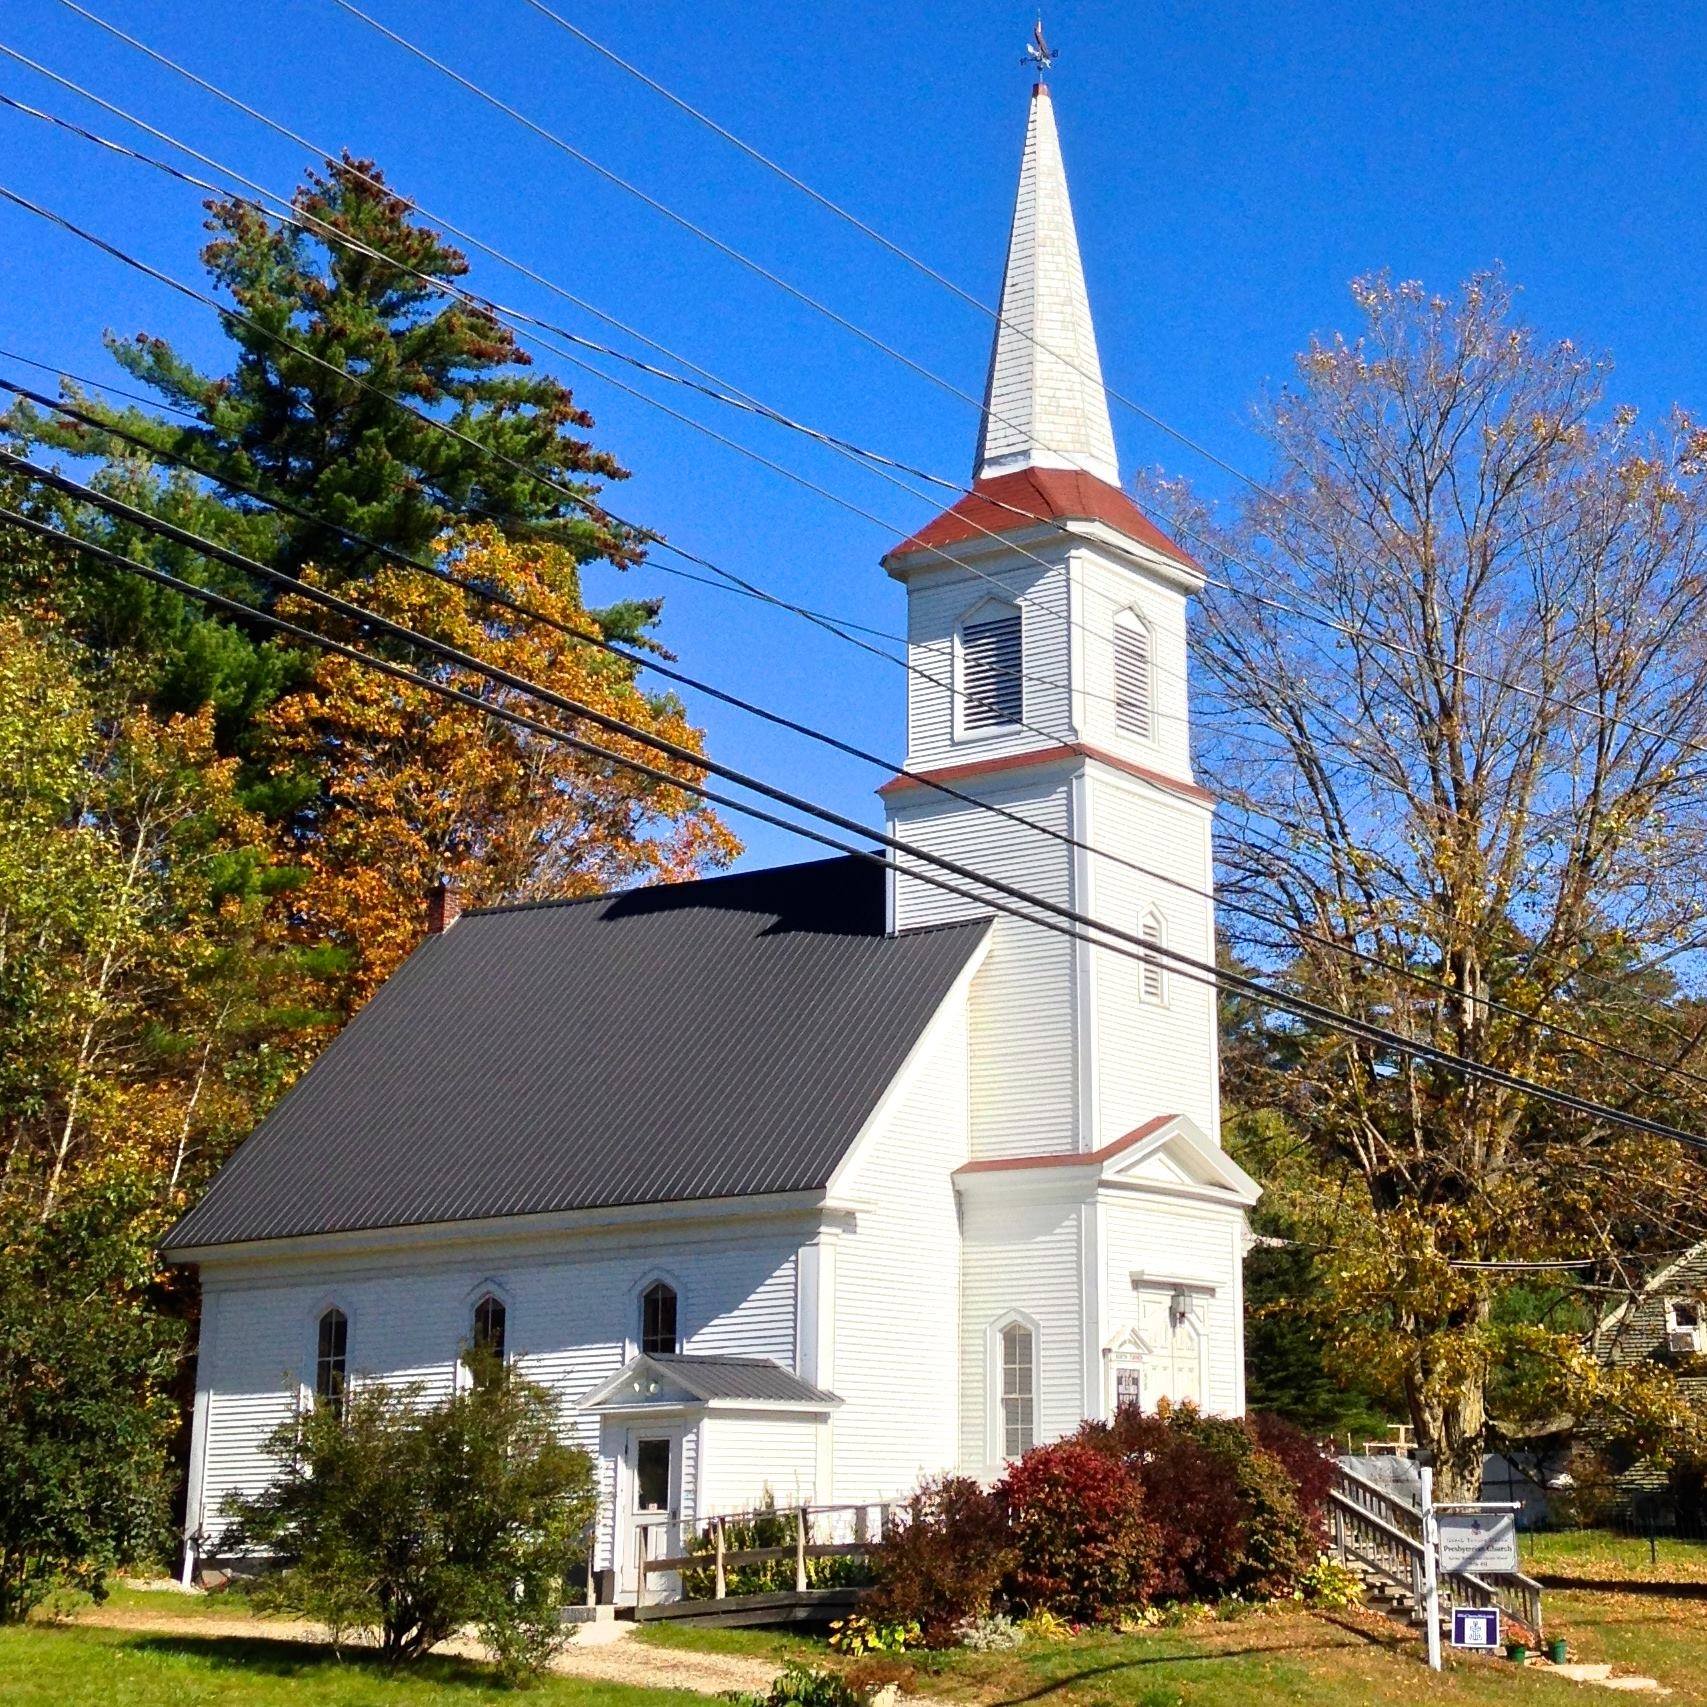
(698, 1040)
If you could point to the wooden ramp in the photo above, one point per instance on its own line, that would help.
(791, 1606)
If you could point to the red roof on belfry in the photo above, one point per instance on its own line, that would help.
(1046, 495)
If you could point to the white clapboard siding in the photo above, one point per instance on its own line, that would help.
(1024, 1084)
(1174, 1240)
(1024, 1257)
(572, 1321)
(897, 1283)
(1152, 1057)
(751, 1455)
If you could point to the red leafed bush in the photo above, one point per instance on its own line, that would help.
(1234, 1517)
(945, 1563)
(1309, 1464)
(1189, 1496)
(1077, 1521)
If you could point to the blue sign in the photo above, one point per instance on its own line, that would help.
(1476, 1627)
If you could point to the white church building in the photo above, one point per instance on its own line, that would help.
(814, 1180)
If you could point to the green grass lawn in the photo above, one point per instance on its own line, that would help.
(44, 1665)
(1615, 1600)
(1641, 1615)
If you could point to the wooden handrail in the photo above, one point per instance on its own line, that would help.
(1364, 1504)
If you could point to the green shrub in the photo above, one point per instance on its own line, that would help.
(411, 1520)
(943, 1564)
(798, 1685)
(85, 1409)
(857, 1635)
(1331, 1585)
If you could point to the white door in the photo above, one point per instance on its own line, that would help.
(651, 1509)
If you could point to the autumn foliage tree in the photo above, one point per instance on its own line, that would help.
(1469, 800)
(414, 789)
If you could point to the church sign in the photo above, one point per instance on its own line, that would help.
(1484, 1543)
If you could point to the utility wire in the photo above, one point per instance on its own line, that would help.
(1348, 949)
(327, 233)
(989, 890)
(578, 498)
(541, 332)
(492, 596)
(1351, 631)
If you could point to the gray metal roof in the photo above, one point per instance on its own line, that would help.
(752, 1379)
(699, 1040)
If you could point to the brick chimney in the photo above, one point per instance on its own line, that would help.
(444, 905)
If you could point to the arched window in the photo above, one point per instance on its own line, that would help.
(489, 1323)
(1018, 1389)
(658, 1319)
(1152, 970)
(331, 1359)
(992, 685)
(1132, 688)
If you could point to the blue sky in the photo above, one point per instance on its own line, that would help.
(1232, 167)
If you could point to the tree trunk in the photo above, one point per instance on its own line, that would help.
(1453, 1426)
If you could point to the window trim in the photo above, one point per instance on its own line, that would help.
(1131, 618)
(638, 1295)
(1697, 1330)
(995, 1360)
(986, 610)
(317, 1321)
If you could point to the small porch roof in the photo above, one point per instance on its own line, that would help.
(655, 1381)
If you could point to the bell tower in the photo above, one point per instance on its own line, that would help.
(1046, 620)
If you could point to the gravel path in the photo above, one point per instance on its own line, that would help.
(618, 1659)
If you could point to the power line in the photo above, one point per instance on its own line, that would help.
(796, 726)
(1356, 632)
(989, 891)
(716, 389)
(580, 499)
(330, 234)
(984, 409)
(1349, 950)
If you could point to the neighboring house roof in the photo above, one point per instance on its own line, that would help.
(710, 1380)
(1637, 1328)
(716, 1039)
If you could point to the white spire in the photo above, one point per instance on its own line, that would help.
(1044, 400)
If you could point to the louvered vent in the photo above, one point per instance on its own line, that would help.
(1132, 677)
(1152, 986)
(991, 686)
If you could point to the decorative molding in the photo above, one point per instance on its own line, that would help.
(1061, 753)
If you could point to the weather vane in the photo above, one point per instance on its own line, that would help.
(1038, 52)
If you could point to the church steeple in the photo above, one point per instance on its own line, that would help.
(1045, 406)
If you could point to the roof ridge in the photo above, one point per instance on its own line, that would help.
(644, 888)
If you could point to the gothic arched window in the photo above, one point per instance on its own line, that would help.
(490, 1322)
(658, 1319)
(331, 1359)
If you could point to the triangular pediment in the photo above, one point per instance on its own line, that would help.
(640, 1385)
(1174, 1154)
